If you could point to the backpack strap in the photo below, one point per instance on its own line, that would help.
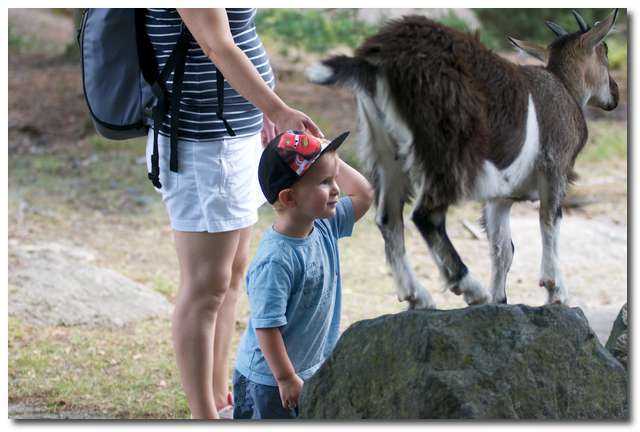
(176, 93)
(176, 63)
(220, 94)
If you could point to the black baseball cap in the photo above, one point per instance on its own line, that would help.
(288, 157)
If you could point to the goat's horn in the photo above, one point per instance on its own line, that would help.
(556, 29)
(584, 27)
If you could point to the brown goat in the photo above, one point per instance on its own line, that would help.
(441, 113)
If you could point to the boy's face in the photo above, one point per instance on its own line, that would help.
(316, 194)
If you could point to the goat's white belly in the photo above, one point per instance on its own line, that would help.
(516, 178)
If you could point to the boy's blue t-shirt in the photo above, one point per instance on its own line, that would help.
(294, 284)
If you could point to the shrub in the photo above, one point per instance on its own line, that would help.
(313, 30)
(529, 24)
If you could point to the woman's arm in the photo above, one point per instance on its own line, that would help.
(354, 185)
(210, 28)
(275, 352)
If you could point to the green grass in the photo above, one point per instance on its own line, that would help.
(29, 43)
(124, 373)
(164, 285)
(607, 141)
(103, 175)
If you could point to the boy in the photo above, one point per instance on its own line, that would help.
(294, 279)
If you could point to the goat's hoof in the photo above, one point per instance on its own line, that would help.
(421, 304)
(547, 283)
(421, 300)
(557, 299)
(474, 301)
(557, 294)
(408, 297)
(472, 290)
(456, 290)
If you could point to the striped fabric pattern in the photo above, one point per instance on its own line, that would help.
(198, 120)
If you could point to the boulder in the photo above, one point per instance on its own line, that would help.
(618, 342)
(480, 362)
(57, 284)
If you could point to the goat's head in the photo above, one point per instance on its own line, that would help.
(580, 59)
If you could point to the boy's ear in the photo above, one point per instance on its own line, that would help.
(286, 197)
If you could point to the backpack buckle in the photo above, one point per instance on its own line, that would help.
(155, 179)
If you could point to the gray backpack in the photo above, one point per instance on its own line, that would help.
(125, 92)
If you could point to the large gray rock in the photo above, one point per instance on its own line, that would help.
(618, 342)
(481, 362)
(57, 284)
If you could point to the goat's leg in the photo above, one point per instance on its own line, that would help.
(496, 222)
(551, 189)
(431, 224)
(390, 221)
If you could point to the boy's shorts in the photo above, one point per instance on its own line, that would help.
(257, 401)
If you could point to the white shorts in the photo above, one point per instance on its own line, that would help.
(216, 187)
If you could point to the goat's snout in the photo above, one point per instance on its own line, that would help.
(615, 95)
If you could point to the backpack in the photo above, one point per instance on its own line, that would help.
(124, 90)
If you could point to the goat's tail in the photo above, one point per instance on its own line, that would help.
(343, 71)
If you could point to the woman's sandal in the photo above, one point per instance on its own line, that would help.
(226, 412)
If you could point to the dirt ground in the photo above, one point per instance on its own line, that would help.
(47, 115)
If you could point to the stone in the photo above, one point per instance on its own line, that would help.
(54, 284)
(480, 362)
(618, 342)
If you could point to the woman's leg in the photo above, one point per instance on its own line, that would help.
(225, 322)
(206, 261)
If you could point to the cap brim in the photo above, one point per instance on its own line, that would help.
(333, 145)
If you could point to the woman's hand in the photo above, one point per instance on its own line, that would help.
(288, 118)
(268, 130)
(290, 389)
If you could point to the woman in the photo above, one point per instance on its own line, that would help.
(212, 200)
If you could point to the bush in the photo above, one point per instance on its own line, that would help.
(617, 52)
(529, 24)
(313, 30)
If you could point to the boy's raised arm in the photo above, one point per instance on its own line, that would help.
(354, 185)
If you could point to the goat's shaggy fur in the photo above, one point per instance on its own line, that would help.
(443, 118)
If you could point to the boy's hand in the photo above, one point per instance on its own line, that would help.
(290, 389)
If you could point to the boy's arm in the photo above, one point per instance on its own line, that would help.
(354, 185)
(275, 352)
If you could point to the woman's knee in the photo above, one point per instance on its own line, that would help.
(206, 289)
(238, 270)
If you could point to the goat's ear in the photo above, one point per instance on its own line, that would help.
(599, 31)
(535, 50)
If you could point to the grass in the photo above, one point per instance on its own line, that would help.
(124, 373)
(607, 141)
(21, 43)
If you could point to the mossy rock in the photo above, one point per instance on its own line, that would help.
(618, 342)
(481, 362)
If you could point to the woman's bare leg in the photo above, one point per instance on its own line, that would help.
(225, 322)
(206, 261)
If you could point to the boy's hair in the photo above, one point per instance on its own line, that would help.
(277, 205)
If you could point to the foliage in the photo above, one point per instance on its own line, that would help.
(529, 24)
(617, 52)
(313, 30)
(19, 43)
(454, 21)
(607, 142)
